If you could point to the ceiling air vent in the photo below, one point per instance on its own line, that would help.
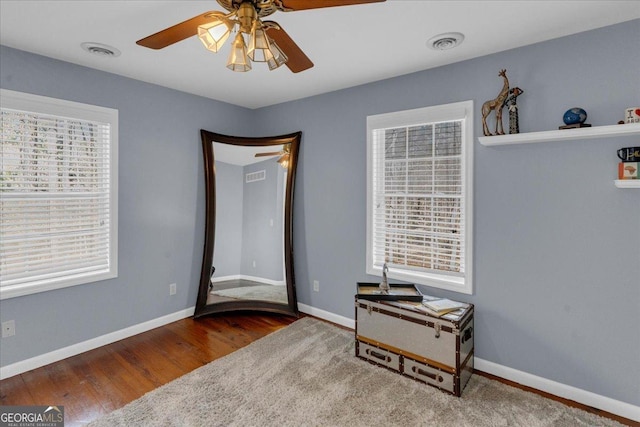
(100, 49)
(256, 176)
(445, 41)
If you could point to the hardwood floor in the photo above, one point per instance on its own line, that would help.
(99, 381)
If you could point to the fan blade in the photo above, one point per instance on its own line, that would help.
(268, 154)
(297, 61)
(174, 34)
(315, 4)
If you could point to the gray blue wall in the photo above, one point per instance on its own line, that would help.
(249, 221)
(557, 284)
(229, 208)
(161, 205)
(263, 206)
(557, 291)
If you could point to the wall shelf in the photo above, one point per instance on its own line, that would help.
(562, 135)
(627, 183)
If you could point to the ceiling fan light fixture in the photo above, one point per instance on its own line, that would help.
(238, 59)
(245, 17)
(259, 49)
(278, 57)
(284, 161)
(213, 34)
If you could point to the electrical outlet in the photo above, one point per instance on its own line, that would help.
(172, 289)
(254, 263)
(8, 328)
(316, 286)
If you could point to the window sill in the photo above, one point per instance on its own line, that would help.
(439, 281)
(50, 285)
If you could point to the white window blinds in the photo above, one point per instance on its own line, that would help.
(56, 206)
(419, 215)
(418, 187)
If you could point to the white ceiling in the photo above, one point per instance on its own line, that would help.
(350, 45)
(243, 155)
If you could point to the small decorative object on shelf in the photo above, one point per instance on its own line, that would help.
(628, 170)
(628, 176)
(496, 105)
(629, 154)
(632, 115)
(510, 103)
(574, 118)
(575, 126)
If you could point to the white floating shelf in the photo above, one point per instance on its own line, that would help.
(627, 129)
(627, 183)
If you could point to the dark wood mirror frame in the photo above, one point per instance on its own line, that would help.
(202, 308)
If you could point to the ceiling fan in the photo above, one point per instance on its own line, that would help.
(284, 155)
(267, 41)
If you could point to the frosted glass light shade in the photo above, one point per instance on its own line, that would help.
(213, 34)
(278, 57)
(238, 59)
(284, 161)
(259, 44)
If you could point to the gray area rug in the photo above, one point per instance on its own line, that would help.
(307, 375)
(262, 292)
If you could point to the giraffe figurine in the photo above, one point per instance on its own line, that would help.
(510, 103)
(496, 105)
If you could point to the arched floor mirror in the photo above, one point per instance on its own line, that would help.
(248, 257)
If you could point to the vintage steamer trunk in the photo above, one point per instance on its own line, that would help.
(435, 350)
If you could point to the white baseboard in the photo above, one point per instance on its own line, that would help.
(326, 315)
(251, 278)
(263, 280)
(584, 397)
(75, 349)
(225, 278)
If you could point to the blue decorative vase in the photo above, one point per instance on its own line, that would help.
(574, 115)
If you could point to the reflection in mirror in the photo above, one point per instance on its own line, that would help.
(249, 243)
(248, 262)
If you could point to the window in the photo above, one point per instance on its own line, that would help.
(58, 194)
(419, 195)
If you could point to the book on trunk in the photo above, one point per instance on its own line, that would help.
(443, 305)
